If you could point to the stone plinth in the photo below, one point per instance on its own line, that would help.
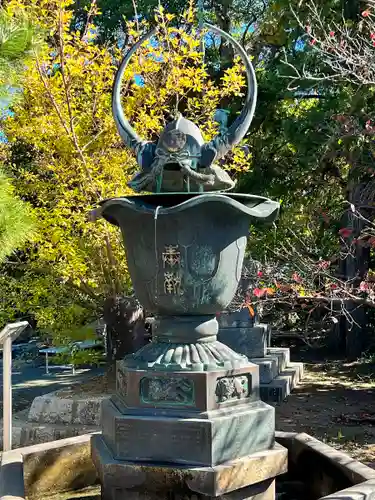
(251, 477)
(236, 319)
(221, 436)
(251, 341)
(196, 418)
(187, 420)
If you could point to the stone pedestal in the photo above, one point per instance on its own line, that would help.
(187, 420)
(251, 477)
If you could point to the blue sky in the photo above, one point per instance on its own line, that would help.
(209, 39)
(4, 112)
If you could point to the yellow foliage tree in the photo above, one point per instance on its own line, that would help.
(65, 155)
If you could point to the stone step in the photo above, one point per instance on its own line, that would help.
(299, 367)
(283, 353)
(268, 368)
(281, 386)
(272, 364)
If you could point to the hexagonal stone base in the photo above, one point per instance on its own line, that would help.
(207, 440)
(184, 393)
(251, 477)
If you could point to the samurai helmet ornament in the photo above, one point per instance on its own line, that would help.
(181, 160)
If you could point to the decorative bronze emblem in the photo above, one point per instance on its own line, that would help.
(229, 388)
(167, 390)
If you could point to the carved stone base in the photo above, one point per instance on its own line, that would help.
(184, 394)
(251, 477)
(176, 356)
(205, 440)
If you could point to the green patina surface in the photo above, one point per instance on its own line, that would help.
(171, 391)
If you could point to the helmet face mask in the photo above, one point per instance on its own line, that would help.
(181, 160)
(173, 141)
(181, 140)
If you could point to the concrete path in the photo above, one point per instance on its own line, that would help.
(30, 382)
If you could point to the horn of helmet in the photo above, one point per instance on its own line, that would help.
(220, 145)
(126, 131)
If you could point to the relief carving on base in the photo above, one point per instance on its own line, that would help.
(175, 391)
(232, 388)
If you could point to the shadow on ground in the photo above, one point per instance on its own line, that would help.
(335, 403)
(28, 383)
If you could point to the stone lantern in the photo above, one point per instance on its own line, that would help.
(186, 419)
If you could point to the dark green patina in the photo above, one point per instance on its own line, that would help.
(169, 391)
(185, 249)
(185, 399)
(185, 255)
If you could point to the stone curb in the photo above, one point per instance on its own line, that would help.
(21, 466)
(360, 474)
(296, 444)
(12, 485)
(363, 491)
(13, 462)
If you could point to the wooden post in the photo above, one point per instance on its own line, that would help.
(47, 365)
(7, 394)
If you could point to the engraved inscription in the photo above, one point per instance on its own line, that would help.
(172, 283)
(121, 383)
(160, 440)
(171, 256)
(171, 263)
(173, 391)
(232, 388)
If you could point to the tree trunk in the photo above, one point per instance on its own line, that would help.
(352, 9)
(356, 266)
(223, 19)
(336, 341)
(125, 321)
